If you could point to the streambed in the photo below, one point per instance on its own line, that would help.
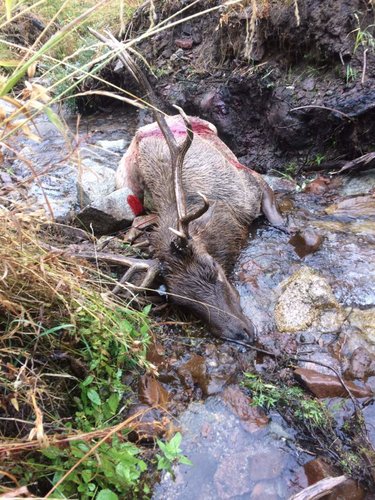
(314, 300)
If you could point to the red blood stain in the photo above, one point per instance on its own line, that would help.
(135, 204)
(178, 129)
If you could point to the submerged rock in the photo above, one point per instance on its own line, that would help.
(304, 298)
(227, 461)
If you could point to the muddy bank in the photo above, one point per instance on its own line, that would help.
(297, 82)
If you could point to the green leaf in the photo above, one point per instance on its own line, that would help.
(173, 446)
(52, 452)
(123, 471)
(163, 463)
(57, 328)
(94, 397)
(55, 120)
(147, 309)
(87, 380)
(106, 495)
(86, 475)
(113, 402)
(184, 460)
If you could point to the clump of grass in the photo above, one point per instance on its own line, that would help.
(304, 408)
(347, 446)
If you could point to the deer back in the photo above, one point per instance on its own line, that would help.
(210, 168)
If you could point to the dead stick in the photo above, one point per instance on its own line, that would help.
(319, 489)
(322, 107)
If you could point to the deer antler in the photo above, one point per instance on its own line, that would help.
(177, 151)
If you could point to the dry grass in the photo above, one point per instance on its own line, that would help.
(45, 297)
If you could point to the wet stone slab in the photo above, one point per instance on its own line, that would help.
(229, 462)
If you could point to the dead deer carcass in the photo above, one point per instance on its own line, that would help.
(205, 201)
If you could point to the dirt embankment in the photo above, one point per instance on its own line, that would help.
(247, 67)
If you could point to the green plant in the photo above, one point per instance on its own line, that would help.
(363, 37)
(350, 73)
(113, 468)
(294, 398)
(171, 454)
(107, 355)
(319, 158)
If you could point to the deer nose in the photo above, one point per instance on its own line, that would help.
(246, 333)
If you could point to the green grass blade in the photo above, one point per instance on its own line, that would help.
(54, 40)
(8, 9)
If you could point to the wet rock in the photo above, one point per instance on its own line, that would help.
(306, 241)
(107, 214)
(117, 146)
(360, 184)
(321, 356)
(184, 43)
(56, 193)
(318, 469)
(305, 295)
(364, 320)
(358, 206)
(328, 386)
(252, 418)
(349, 489)
(308, 84)
(318, 185)
(94, 182)
(361, 364)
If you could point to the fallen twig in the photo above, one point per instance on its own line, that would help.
(11, 447)
(319, 489)
(333, 110)
(362, 162)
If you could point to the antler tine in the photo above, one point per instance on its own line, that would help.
(134, 69)
(195, 214)
(179, 190)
